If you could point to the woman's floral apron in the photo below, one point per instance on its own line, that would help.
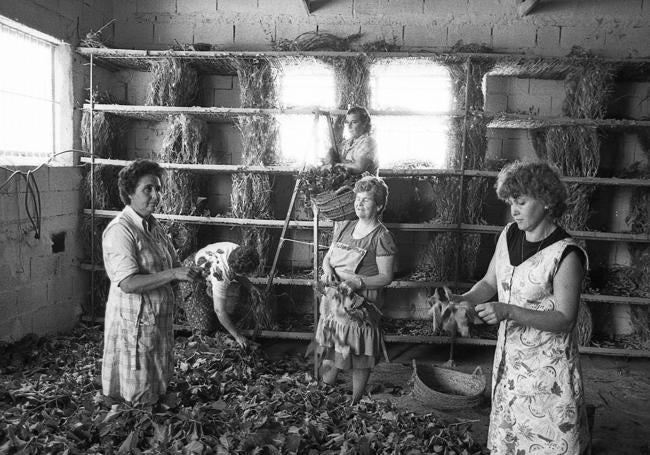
(537, 394)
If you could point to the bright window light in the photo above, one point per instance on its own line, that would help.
(27, 133)
(420, 87)
(304, 140)
(406, 140)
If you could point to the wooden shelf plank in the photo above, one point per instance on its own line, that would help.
(499, 120)
(509, 65)
(420, 227)
(125, 54)
(413, 339)
(159, 113)
(384, 172)
(406, 284)
(520, 121)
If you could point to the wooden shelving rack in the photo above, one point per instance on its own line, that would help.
(513, 65)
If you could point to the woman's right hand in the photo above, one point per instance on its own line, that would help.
(329, 276)
(186, 273)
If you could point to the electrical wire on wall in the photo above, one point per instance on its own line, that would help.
(32, 193)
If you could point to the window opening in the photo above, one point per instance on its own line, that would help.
(304, 140)
(421, 87)
(27, 100)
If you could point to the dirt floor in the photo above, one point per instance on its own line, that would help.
(618, 388)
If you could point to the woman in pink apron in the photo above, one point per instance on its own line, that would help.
(537, 269)
(357, 266)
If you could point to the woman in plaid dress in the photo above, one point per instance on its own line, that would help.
(141, 263)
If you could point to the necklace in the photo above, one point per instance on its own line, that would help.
(539, 247)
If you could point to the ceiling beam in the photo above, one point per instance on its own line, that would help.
(526, 6)
(305, 3)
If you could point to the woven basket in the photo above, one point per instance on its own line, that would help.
(446, 389)
(584, 324)
(336, 205)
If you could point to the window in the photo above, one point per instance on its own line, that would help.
(419, 87)
(28, 107)
(303, 138)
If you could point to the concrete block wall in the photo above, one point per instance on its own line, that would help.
(41, 291)
(607, 28)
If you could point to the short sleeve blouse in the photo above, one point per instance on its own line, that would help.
(379, 242)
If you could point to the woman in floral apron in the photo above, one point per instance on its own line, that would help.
(537, 270)
(357, 266)
(141, 263)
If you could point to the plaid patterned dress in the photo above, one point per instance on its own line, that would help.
(138, 333)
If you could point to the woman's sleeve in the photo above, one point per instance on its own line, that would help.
(367, 152)
(119, 252)
(386, 245)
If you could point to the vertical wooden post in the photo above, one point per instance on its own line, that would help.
(92, 195)
(315, 289)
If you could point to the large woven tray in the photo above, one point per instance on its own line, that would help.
(447, 389)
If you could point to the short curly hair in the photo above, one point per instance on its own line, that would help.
(537, 179)
(243, 260)
(364, 117)
(376, 186)
(129, 176)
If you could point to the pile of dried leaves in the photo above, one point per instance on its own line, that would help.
(222, 401)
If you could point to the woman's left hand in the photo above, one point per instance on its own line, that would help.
(492, 312)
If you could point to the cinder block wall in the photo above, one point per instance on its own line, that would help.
(41, 291)
(610, 28)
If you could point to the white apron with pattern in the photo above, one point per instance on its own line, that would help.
(537, 393)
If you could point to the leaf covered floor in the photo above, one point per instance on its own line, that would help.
(221, 400)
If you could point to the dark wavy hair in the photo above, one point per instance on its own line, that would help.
(537, 179)
(374, 185)
(364, 117)
(129, 176)
(243, 260)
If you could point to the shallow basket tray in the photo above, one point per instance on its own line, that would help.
(447, 389)
(336, 205)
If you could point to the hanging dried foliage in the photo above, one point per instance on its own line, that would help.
(91, 237)
(173, 83)
(589, 87)
(108, 130)
(185, 141)
(251, 193)
(104, 189)
(437, 261)
(251, 198)
(313, 41)
(352, 81)
(468, 146)
(575, 150)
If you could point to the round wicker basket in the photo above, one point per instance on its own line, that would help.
(446, 389)
(336, 205)
(584, 324)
